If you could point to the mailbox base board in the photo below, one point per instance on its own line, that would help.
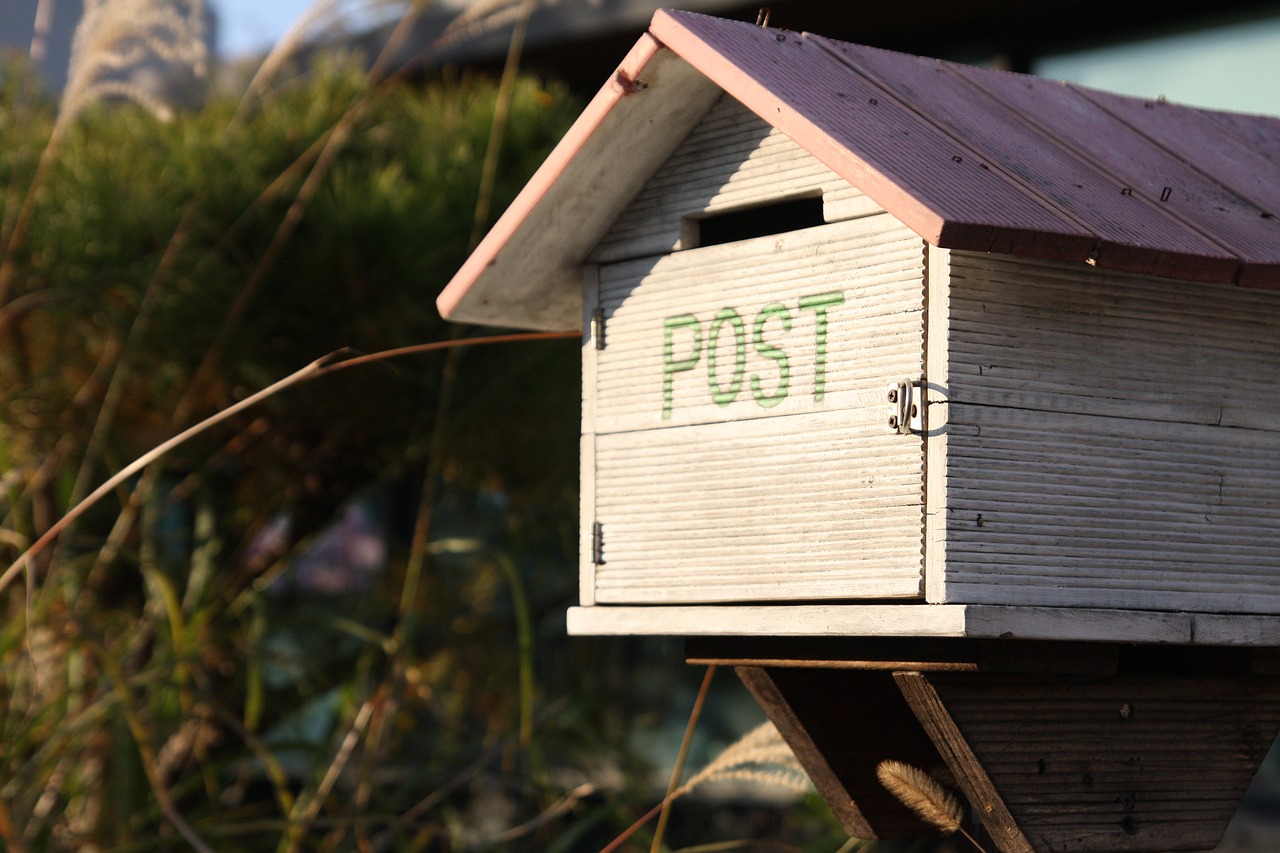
(928, 620)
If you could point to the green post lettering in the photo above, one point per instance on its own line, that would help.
(670, 365)
(773, 309)
(722, 396)
(819, 305)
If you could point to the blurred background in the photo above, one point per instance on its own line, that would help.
(336, 620)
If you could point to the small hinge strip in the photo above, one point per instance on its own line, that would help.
(597, 327)
(597, 543)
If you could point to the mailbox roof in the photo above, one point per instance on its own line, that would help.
(969, 158)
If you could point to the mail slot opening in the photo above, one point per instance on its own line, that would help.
(759, 221)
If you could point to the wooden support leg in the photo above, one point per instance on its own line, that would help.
(841, 724)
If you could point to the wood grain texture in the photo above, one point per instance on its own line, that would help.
(525, 273)
(872, 336)
(968, 768)
(841, 725)
(587, 441)
(1193, 135)
(938, 377)
(731, 160)
(1154, 178)
(1129, 762)
(1105, 445)
(770, 620)
(1134, 231)
(930, 180)
(795, 488)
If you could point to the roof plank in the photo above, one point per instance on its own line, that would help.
(1194, 136)
(1262, 132)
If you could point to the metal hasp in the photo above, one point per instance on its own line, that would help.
(1082, 747)
(906, 407)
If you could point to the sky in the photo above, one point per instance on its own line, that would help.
(1233, 67)
(251, 26)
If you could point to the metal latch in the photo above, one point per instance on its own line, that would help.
(906, 407)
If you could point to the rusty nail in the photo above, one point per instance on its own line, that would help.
(1168, 191)
(1126, 191)
(1126, 711)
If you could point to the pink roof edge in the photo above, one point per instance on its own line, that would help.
(615, 90)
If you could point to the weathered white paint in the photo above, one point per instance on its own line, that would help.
(808, 496)
(525, 273)
(1111, 440)
(587, 444)
(732, 160)
(915, 620)
(1101, 451)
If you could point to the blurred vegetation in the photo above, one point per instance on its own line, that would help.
(244, 648)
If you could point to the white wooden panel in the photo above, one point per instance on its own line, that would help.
(733, 159)
(1072, 338)
(587, 443)
(1110, 440)
(915, 620)
(809, 620)
(937, 373)
(809, 506)
(811, 497)
(865, 277)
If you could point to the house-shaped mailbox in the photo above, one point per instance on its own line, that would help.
(877, 346)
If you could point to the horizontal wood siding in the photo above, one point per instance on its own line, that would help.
(812, 496)
(1127, 762)
(1111, 440)
(732, 160)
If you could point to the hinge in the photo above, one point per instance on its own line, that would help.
(906, 406)
(597, 543)
(597, 327)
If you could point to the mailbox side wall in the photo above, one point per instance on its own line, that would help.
(1108, 440)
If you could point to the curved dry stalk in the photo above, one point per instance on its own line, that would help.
(678, 770)
(744, 759)
(124, 695)
(323, 366)
(302, 817)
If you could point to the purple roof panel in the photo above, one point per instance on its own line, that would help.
(1132, 233)
(1262, 132)
(1141, 170)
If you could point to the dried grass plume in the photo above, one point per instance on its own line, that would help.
(116, 35)
(761, 756)
(919, 792)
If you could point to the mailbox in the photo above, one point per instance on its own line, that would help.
(882, 344)
(878, 346)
